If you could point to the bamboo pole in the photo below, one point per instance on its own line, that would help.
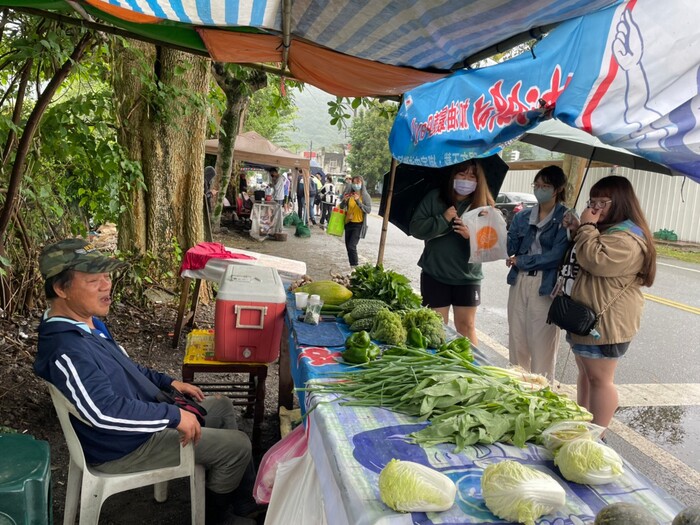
(387, 211)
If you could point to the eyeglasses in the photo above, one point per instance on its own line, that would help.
(598, 205)
(542, 186)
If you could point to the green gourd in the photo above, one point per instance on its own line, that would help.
(622, 513)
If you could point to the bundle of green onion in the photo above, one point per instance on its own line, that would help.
(466, 404)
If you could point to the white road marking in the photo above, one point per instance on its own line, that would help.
(676, 266)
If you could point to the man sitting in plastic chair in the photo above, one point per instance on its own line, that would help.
(130, 429)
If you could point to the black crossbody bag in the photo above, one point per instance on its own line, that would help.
(575, 317)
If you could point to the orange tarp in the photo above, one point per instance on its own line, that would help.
(333, 72)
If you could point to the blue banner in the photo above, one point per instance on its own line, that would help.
(628, 74)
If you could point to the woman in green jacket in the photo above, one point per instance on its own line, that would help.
(447, 277)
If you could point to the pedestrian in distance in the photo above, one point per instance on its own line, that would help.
(358, 204)
(328, 198)
(131, 429)
(277, 181)
(536, 246)
(448, 279)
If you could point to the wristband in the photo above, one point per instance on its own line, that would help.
(588, 224)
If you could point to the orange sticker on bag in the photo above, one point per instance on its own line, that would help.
(486, 238)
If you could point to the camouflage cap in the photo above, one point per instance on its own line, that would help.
(75, 254)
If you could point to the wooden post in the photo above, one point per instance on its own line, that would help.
(387, 211)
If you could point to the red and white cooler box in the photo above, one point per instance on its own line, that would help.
(249, 315)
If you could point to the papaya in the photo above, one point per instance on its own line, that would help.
(330, 292)
(622, 513)
(688, 516)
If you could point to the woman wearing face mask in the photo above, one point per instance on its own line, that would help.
(447, 278)
(536, 245)
(358, 204)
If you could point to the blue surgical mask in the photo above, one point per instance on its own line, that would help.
(464, 186)
(544, 194)
(357, 187)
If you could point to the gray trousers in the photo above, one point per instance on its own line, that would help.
(223, 450)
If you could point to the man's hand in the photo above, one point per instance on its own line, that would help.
(189, 389)
(189, 428)
(511, 261)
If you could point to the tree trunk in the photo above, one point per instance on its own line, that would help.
(237, 93)
(168, 141)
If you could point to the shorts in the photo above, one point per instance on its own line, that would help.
(614, 351)
(438, 295)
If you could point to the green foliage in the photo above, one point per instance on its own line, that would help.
(147, 270)
(81, 162)
(369, 135)
(270, 113)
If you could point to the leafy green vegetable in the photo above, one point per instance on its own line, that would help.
(373, 282)
(406, 486)
(518, 493)
(588, 462)
(466, 404)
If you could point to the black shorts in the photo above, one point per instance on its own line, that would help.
(438, 295)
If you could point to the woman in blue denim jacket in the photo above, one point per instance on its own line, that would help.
(536, 245)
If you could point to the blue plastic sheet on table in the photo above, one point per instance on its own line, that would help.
(325, 333)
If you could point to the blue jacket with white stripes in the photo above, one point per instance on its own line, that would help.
(122, 415)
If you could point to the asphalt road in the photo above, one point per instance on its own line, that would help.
(657, 427)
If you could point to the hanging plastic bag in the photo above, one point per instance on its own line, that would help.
(291, 446)
(336, 223)
(488, 234)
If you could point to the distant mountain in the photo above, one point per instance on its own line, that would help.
(313, 122)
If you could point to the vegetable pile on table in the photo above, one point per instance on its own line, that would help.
(466, 404)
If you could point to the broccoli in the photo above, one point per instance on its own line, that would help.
(429, 322)
(388, 328)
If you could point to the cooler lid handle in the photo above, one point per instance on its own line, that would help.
(240, 308)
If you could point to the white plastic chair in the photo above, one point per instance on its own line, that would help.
(91, 488)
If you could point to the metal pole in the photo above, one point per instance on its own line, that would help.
(387, 211)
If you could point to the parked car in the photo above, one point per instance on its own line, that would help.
(511, 203)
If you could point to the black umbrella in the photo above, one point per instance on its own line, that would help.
(412, 183)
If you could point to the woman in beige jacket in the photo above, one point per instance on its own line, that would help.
(615, 256)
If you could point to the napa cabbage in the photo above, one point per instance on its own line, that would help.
(406, 486)
(518, 493)
(588, 462)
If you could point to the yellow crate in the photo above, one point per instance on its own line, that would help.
(200, 345)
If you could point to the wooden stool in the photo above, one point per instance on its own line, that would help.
(250, 394)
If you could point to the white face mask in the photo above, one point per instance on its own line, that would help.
(464, 186)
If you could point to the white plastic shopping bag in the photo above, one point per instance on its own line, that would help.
(293, 445)
(487, 234)
(296, 495)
